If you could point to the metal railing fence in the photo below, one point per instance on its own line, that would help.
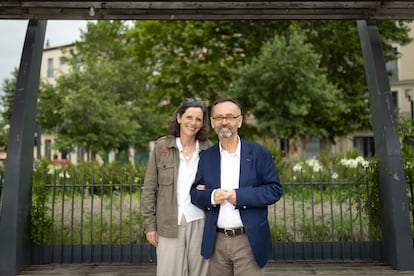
(327, 216)
(87, 219)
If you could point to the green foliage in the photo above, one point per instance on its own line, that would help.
(109, 173)
(66, 202)
(406, 132)
(48, 107)
(195, 58)
(133, 70)
(6, 101)
(339, 45)
(282, 164)
(102, 103)
(337, 199)
(40, 217)
(98, 227)
(4, 133)
(370, 200)
(288, 92)
(332, 198)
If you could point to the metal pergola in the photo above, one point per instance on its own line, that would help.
(16, 202)
(207, 10)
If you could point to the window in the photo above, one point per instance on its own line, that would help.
(48, 148)
(79, 154)
(365, 144)
(313, 148)
(392, 68)
(394, 98)
(50, 67)
(284, 146)
(78, 61)
(62, 60)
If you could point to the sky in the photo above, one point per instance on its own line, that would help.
(12, 32)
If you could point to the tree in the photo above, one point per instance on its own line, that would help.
(6, 101)
(4, 132)
(195, 58)
(152, 65)
(93, 121)
(339, 45)
(287, 91)
(101, 103)
(199, 57)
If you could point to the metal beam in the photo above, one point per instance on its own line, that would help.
(395, 221)
(16, 202)
(207, 10)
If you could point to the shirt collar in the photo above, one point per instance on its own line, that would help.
(180, 146)
(238, 149)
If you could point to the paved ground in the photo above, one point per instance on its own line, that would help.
(272, 269)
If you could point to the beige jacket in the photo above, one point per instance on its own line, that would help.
(159, 194)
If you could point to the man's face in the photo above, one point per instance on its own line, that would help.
(226, 119)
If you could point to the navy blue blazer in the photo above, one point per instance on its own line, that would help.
(259, 187)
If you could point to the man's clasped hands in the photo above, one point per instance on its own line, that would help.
(221, 195)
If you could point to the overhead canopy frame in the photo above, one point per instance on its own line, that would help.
(207, 10)
(15, 223)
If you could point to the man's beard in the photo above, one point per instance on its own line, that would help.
(226, 134)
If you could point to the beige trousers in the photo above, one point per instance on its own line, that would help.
(233, 256)
(181, 256)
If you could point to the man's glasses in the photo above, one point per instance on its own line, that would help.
(229, 118)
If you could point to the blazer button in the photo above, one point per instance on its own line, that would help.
(244, 207)
(208, 208)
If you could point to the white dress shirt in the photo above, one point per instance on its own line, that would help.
(186, 176)
(229, 217)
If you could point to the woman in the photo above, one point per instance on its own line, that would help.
(172, 223)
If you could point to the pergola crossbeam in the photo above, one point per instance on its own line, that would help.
(218, 10)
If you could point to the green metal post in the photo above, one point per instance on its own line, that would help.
(395, 222)
(15, 245)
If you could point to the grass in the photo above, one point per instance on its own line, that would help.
(95, 220)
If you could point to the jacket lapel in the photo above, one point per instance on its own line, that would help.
(215, 166)
(246, 163)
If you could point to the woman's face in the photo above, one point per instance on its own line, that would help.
(191, 121)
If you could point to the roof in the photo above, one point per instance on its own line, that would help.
(208, 10)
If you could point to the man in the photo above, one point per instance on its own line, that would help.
(235, 182)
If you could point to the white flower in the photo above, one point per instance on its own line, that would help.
(344, 162)
(349, 163)
(317, 167)
(64, 174)
(365, 164)
(353, 163)
(335, 176)
(51, 169)
(312, 162)
(297, 167)
(36, 164)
